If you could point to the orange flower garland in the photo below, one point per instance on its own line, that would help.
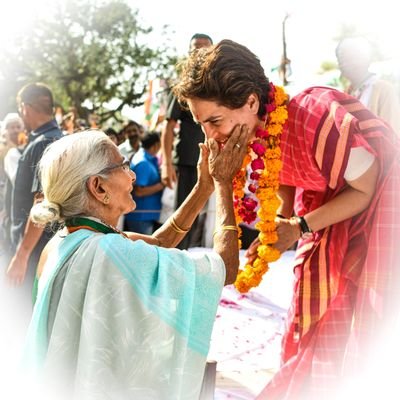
(264, 156)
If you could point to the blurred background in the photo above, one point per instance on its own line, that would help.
(114, 60)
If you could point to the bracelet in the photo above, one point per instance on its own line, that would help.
(281, 216)
(305, 231)
(226, 228)
(175, 227)
(303, 225)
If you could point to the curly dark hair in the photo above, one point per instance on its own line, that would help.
(226, 73)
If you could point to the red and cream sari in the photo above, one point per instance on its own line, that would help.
(347, 276)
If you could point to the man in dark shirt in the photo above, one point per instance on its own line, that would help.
(35, 105)
(186, 153)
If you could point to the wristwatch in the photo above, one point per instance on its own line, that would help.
(306, 232)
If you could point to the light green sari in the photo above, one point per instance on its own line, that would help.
(116, 319)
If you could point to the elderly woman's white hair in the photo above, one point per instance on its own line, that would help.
(64, 169)
(10, 118)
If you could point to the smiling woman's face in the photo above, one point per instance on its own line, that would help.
(218, 122)
(119, 185)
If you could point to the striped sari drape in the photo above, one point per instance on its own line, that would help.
(333, 315)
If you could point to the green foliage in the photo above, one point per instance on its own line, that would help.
(328, 66)
(90, 53)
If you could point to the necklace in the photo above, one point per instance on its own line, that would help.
(264, 159)
(75, 223)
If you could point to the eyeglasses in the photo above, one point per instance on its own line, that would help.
(125, 165)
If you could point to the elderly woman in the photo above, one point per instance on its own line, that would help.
(341, 177)
(123, 315)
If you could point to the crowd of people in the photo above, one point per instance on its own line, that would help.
(120, 309)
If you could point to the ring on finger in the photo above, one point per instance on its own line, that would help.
(237, 145)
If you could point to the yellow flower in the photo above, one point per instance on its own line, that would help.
(268, 237)
(267, 214)
(280, 95)
(275, 166)
(266, 226)
(279, 116)
(275, 129)
(274, 154)
(268, 185)
(268, 253)
(265, 193)
(273, 203)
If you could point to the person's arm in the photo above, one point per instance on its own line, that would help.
(178, 224)
(168, 174)
(224, 164)
(286, 196)
(175, 228)
(18, 266)
(354, 199)
(226, 242)
(141, 191)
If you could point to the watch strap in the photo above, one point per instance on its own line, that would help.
(303, 225)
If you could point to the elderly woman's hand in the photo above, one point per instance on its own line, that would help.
(224, 162)
(204, 178)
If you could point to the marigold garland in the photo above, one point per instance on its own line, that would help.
(264, 157)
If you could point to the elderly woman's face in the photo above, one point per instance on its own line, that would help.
(218, 122)
(120, 185)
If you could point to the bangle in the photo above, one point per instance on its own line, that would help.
(281, 216)
(175, 227)
(226, 228)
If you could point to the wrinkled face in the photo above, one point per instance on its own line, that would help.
(12, 131)
(119, 185)
(218, 122)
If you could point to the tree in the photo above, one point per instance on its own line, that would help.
(90, 53)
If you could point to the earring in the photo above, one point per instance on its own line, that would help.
(106, 199)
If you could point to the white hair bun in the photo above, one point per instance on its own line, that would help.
(45, 212)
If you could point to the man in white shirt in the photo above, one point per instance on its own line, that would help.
(354, 55)
(132, 132)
